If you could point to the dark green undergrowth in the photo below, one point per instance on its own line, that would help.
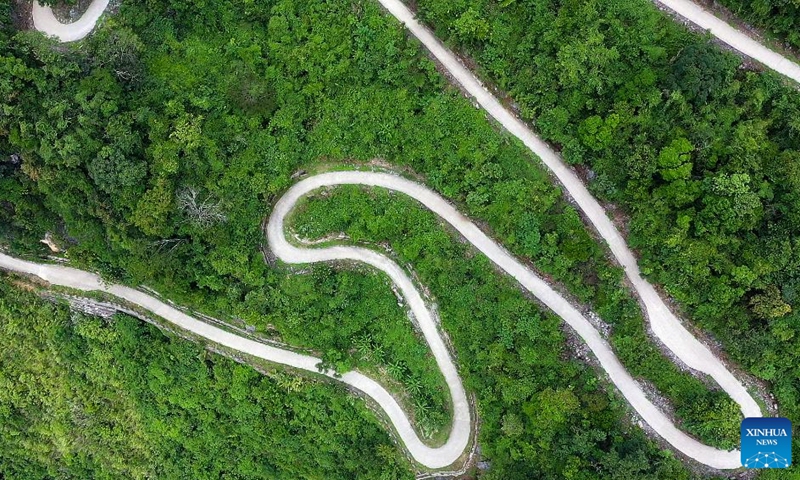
(82, 397)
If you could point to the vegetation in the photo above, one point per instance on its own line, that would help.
(154, 149)
(779, 18)
(416, 238)
(124, 139)
(703, 155)
(82, 397)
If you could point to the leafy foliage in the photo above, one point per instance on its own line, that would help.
(83, 397)
(700, 153)
(232, 98)
(780, 19)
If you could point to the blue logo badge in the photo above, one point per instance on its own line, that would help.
(766, 442)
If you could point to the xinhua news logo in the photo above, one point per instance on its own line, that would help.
(766, 442)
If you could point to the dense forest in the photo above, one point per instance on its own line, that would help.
(122, 142)
(704, 156)
(152, 151)
(778, 18)
(154, 157)
(82, 397)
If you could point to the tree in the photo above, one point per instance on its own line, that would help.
(769, 304)
(153, 211)
(202, 213)
(702, 71)
(118, 49)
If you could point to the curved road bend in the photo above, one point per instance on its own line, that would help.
(528, 279)
(45, 21)
(663, 323)
(433, 458)
(459, 435)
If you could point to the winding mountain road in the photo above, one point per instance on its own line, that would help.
(461, 428)
(664, 323)
(433, 458)
(46, 22)
(527, 278)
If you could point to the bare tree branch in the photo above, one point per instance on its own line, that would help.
(201, 212)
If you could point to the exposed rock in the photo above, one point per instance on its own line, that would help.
(48, 240)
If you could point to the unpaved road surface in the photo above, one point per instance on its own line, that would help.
(46, 22)
(433, 458)
(460, 431)
(664, 323)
